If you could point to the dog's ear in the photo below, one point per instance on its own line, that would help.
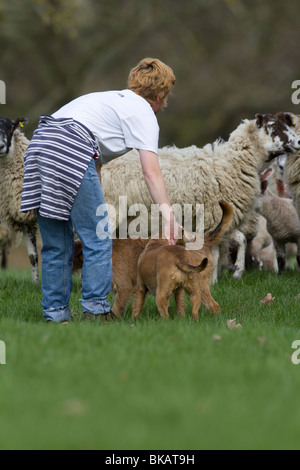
(203, 265)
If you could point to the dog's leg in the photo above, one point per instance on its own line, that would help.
(180, 302)
(196, 304)
(209, 302)
(162, 302)
(121, 300)
(139, 300)
(118, 307)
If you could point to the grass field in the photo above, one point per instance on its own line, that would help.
(156, 384)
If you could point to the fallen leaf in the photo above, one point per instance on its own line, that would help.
(73, 313)
(262, 340)
(232, 325)
(216, 337)
(75, 407)
(267, 300)
(124, 376)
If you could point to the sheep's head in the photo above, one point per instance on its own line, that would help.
(279, 137)
(7, 129)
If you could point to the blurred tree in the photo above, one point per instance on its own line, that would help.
(232, 58)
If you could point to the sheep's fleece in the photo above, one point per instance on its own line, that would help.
(227, 171)
(11, 183)
(292, 169)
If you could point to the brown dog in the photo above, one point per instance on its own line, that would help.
(165, 270)
(125, 258)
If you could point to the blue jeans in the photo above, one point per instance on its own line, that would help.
(58, 249)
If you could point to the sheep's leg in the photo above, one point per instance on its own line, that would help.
(298, 253)
(280, 252)
(241, 242)
(30, 238)
(4, 259)
(216, 255)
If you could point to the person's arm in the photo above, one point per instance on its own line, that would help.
(157, 189)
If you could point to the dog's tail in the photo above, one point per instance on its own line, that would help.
(213, 238)
(190, 269)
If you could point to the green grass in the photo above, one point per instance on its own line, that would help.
(156, 384)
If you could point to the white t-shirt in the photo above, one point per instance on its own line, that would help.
(120, 121)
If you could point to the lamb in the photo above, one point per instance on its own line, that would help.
(13, 145)
(226, 171)
(242, 239)
(292, 165)
(283, 222)
(262, 248)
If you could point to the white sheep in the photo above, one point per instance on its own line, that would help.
(13, 145)
(226, 171)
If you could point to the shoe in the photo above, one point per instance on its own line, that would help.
(104, 318)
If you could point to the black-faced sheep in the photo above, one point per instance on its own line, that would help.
(13, 145)
(226, 171)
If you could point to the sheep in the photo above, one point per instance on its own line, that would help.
(226, 171)
(283, 222)
(241, 241)
(13, 145)
(262, 248)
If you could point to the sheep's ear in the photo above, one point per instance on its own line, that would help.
(264, 186)
(259, 120)
(280, 188)
(287, 118)
(21, 122)
(265, 175)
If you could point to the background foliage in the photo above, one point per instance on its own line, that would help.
(232, 58)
